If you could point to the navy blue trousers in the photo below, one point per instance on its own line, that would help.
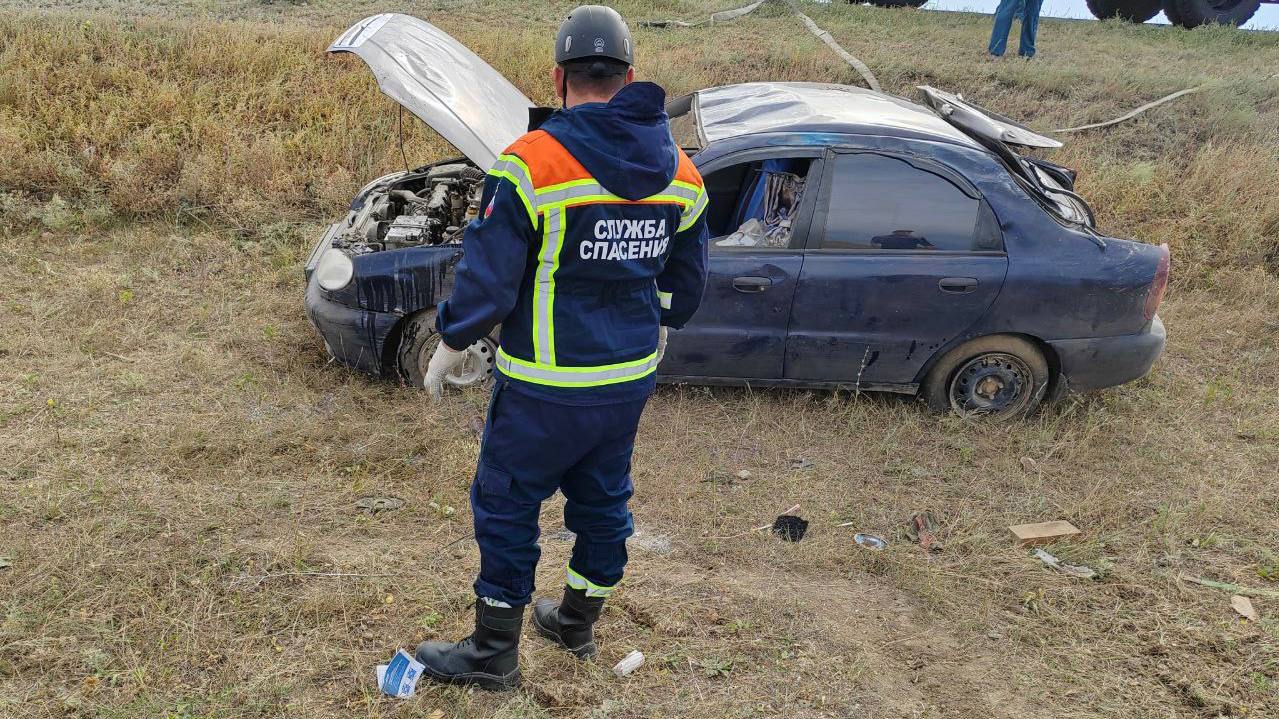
(531, 448)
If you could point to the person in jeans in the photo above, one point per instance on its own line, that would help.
(1004, 14)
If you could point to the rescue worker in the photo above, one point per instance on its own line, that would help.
(591, 242)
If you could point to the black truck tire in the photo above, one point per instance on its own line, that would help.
(998, 378)
(896, 3)
(1130, 10)
(1193, 13)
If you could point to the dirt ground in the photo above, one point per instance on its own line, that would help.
(180, 466)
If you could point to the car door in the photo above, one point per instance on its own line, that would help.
(739, 331)
(903, 257)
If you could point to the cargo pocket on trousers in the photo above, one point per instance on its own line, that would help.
(495, 488)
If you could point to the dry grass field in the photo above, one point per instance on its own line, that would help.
(180, 467)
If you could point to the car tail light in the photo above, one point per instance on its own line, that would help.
(1159, 284)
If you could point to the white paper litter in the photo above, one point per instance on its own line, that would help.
(398, 678)
(629, 663)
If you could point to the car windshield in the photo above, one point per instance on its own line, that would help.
(684, 123)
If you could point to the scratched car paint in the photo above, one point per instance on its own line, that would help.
(859, 240)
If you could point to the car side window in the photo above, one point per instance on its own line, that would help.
(755, 205)
(878, 202)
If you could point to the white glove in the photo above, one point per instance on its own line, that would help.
(443, 361)
(661, 343)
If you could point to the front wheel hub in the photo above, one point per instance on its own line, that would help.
(476, 367)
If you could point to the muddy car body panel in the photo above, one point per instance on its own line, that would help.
(359, 322)
(805, 300)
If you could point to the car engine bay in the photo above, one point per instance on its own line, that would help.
(431, 206)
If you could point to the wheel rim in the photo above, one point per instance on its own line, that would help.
(476, 367)
(994, 384)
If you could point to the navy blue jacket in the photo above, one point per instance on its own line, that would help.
(592, 233)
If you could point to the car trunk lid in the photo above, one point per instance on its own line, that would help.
(981, 124)
(1050, 184)
(441, 81)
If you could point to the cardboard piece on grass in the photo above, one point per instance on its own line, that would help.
(399, 677)
(1043, 532)
(1244, 607)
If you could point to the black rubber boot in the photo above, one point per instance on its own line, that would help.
(489, 658)
(569, 622)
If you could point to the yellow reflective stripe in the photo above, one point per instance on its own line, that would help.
(565, 185)
(513, 168)
(684, 190)
(528, 206)
(577, 581)
(665, 299)
(582, 370)
(515, 160)
(691, 214)
(674, 199)
(548, 262)
(585, 200)
(579, 192)
(560, 376)
(551, 202)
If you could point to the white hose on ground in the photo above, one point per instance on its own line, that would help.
(1130, 115)
(726, 15)
(825, 37)
(1155, 103)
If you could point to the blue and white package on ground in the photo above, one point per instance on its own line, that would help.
(399, 677)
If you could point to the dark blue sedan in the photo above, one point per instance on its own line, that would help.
(859, 241)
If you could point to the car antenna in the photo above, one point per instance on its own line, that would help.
(400, 128)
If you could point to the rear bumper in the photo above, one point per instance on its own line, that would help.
(1098, 362)
(354, 337)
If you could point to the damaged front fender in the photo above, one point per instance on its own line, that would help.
(360, 323)
(400, 281)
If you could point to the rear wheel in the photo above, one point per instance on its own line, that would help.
(1193, 13)
(418, 342)
(1130, 10)
(999, 378)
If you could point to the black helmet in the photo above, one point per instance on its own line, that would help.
(593, 32)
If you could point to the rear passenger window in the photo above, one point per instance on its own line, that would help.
(883, 203)
(755, 205)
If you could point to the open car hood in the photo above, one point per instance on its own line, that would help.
(980, 123)
(440, 81)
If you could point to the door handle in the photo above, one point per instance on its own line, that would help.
(958, 285)
(751, 285)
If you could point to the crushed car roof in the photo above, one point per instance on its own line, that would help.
(755, 107)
